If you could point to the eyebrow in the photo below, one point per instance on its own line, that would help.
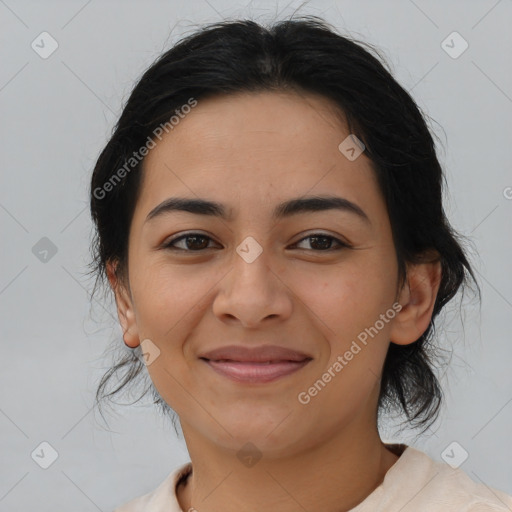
(282, 210)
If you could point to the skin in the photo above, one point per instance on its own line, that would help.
(251, 152)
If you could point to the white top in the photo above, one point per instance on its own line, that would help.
(415, 483)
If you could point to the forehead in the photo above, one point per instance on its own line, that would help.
(254, 148)
(243, 121)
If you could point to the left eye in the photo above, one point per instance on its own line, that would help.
(323, 240)
(198, 242)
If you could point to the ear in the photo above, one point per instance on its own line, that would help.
(125, 310)
(417, 298)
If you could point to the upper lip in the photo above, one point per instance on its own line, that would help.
(260, 354)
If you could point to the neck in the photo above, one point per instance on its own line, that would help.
(333, 476)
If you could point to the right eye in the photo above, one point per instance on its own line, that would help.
(194, 240)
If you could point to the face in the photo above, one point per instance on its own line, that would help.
(310, 281)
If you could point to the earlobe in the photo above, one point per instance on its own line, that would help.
(418, 297)
(125, 311)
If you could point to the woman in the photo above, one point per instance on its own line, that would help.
(269, 216)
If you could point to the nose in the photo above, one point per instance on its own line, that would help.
(253, 292)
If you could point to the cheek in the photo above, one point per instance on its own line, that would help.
(168, 308)
(344, 298)
(346, 304)
(166, 299)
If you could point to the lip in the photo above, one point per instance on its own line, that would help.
(255, 365)
(252, 372)
(259, 354)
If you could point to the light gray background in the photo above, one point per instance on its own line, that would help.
(56, 115)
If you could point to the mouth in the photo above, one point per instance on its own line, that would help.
(254, 372)
(256, 365)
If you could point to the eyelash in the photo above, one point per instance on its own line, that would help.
(169, 245)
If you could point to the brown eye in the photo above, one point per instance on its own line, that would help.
(321, 242)
(193, 242)
(197, 242)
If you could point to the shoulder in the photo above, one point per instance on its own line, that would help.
(421, 483)
(161, 499)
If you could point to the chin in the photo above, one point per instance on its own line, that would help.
(272, 436)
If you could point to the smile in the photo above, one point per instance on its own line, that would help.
(255, 371)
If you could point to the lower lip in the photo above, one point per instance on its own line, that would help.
(256, 372)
